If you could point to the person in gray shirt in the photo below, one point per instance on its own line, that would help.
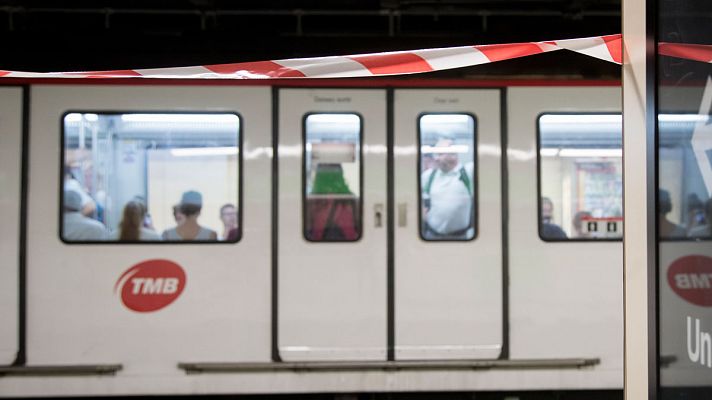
(77, 227)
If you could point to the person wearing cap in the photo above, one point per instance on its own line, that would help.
(190, 205)
(447, 190)
(77, 227)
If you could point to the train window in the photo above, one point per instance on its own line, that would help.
(580, 177)
(150, 177)
(685, 177)
(447, 180)
(332, 177)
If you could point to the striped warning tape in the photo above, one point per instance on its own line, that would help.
(606, 48)
(696, 52)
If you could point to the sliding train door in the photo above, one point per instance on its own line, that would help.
(148, 227)
(566, 226)
(448, 229)
(332, 225)
(10, 154)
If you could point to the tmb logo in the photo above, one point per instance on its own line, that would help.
(151, 285)
(691, 278)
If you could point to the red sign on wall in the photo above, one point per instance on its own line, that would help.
(691, 278)
(151, 285)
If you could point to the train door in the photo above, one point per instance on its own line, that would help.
(332, 225)
(149, 226)
(10, 154)
(565, 226)
(448, 233)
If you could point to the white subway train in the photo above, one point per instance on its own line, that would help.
(383, 236)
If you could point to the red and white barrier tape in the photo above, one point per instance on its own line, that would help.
(695, 52)
(606, 48)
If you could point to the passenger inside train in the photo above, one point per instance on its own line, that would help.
(703, 229)
(77, 226)
(549, 230)
(581, 182)
(125, 164)
(132, 226)
(71, 183)
(191, 203)
(668, 229)
(331, 206)
(332, 170)
(228, 217)
(447, 177)
(580, 224)
(447, 190)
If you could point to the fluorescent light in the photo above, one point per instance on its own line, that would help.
(182, 118)
(445, 119)
(581, 119)
(591, 153)
(549, 152)
(455, 148)
(683, 118)
(73, 117)
(204, 151)
(333, 119)
(614, 118)
(91, 117)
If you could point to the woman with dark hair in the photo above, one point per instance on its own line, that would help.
(190, 205)
(131, 226)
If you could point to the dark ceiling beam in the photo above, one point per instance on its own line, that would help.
(393, 16)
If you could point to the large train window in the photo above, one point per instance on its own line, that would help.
(447, 180)
(332, 177)
(580, 177)
(685, 177)
(150, 177)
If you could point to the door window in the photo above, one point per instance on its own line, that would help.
(447, 177)
(332, 177)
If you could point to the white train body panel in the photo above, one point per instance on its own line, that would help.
(565, 298)
(332, 296)
(75, 315)
(448, 295)
(505, 294)
(11, 156)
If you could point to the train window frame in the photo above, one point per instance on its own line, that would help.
(539, 180)
(475, 177)
(240, 187)
(304, 177)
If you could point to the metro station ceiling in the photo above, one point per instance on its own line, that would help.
(95, 35)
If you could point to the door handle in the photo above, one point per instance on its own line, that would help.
(378, 214)
(402, 214)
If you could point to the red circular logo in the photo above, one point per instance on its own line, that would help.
(151, 285)
(691, 278)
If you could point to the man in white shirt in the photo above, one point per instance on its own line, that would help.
(77, 227)
(447, 191)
